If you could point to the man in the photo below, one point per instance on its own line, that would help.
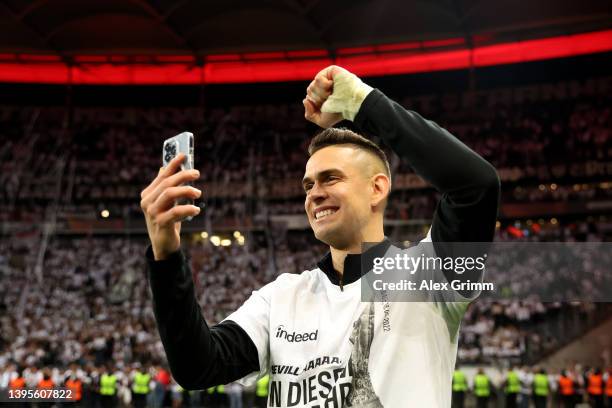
(460, 387)
(17, 382)
(108, 386)
(161, 385)
(46, 384)
(322, 345)
(595, 388)
(541, 388)
(75, 385)
(566, 389)
(512, 387)
(141, 385)
(482, 388)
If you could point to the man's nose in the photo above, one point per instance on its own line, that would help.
(317, 193)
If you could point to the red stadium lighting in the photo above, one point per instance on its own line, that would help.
(390, 59)
(515, 232)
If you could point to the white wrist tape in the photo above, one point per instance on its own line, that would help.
(347, 97)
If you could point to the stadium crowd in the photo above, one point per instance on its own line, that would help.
(77, 310)
(92, 306)
(544, 147)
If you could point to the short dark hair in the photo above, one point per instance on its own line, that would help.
(339, 136)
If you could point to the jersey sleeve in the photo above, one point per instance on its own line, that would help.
(254, 318)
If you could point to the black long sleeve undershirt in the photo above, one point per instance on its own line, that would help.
(469, 185)
(200, 356)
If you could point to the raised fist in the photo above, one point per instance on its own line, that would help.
(333, 95)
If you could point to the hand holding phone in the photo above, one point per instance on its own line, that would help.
(181, 143)
(168, 200)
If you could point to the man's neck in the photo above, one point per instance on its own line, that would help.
(339, 255)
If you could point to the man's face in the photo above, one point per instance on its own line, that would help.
(338, 195)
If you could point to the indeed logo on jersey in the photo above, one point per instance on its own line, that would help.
(294, 337)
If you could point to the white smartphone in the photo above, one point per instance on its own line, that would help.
(181, 143)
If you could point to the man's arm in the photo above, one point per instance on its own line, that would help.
(199, 356)
(469, 185)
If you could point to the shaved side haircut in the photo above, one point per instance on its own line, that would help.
(343, 136)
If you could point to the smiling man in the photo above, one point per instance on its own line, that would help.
(321, 343)
(347, 182)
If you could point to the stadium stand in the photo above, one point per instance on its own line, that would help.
(76, 303)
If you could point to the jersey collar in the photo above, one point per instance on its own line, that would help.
(355, 265)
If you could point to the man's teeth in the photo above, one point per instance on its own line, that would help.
(324, 213)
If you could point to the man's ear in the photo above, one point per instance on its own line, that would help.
(381, 186)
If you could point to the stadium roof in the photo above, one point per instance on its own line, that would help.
(199, 32)
(200, 27)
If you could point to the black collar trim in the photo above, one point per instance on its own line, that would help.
(353, 263)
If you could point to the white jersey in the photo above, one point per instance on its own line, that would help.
(322, 345)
